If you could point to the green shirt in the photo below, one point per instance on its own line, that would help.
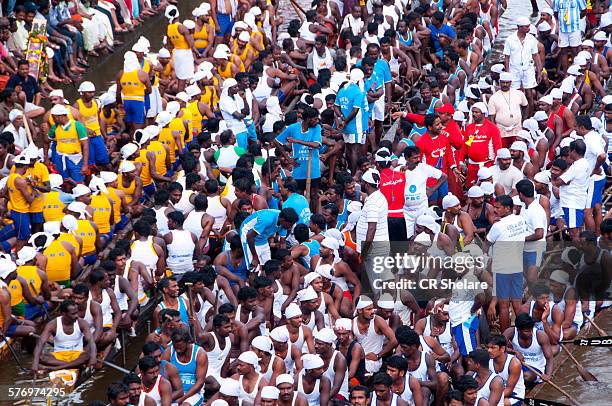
(80, 128)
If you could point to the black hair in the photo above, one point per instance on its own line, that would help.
(95, 276)
(406, 336)
(246, 293)
(161, 196)
(289, 215)
(301, 233)
(133, 377)
(466, 382)
(63, 307)
(525, 187)
(177, 216)
(116, 253)
(584, 121)
(271, 266)
(149, 348)
(497, 339)
(262, 282)
(318, 220)
(524, 321)
(200, 202)
(481, 357)
(227, 308)
(382, 378)
(398, 362)
(147, 362)
(505, 201)
(578, 146)
(115, 389)
(219, 320)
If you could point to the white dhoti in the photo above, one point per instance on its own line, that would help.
(410, 215)
(156, 102)
(104, 25)
(183, 63)
(91, 34)
(124, 11)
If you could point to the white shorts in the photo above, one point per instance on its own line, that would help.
(263, 253)
(525, 78)
(194, 400)
(354, 138)
(410, 215)
(570, 39)
(378, 109)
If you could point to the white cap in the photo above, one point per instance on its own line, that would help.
(312, 361)
(189, 24)
(310, 277)
(483, 84)
(48, 240)
(284, 378)
(506, 77)
(27, 253)
(524, 134)
(482, 107)
(497, 68)
(542, 177)
(326, 335)
(279, 334)
(198, 12)
(69, 222)
(53, 227)
(107, 99)
(192, 90)
(307, 294)
(244, 36)
(427, 221)
(544, 26)
(262, 343)
(606, 20)
(587, 43)
(343, 324)
(600, 36)
(56, 93)
(126, 166)
(530, 124)
(59, 110)
(182, 96)
(475, 191)
(220, 402)
(567, 86)
(164, 53)
(6, 267)
(80, 190)
(171, 12)
(173, 108)
(540, 116)
(574, 70)
(522, 21)
(128, 150)
(293, 310)
(269, 392)
(55, 180)
(547, 99)
(79, 207)
(86, 87)
(163, 118)
(459, 116)
(221, 54)
(14, 114)
(21, 159)
(487, 188)
(385, 301)
(256, 11)
(151, 131)
(519, 146)
(559, 276)
(108, 177)
(249, 357)
(503, 153)
(556, 93)
(364, 302)
(371, 176)
(450, 200)
(230, 387)
(607, 100)
(484, 173)
(231, 82)
(356, 75)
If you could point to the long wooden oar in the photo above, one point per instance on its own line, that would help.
(590, 341)
(117, 367)
(551, 383)
(599, 329)
(537, 402)
(584, 373)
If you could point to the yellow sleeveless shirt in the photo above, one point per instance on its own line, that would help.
(101, 212)
(59, 262)
(72, 240)
(16, 198)
(178, 40)
(88, 234)
(129, 190)
(132, 88)
(159, 150)
(53, 208)
(90, 116)
(145, 171)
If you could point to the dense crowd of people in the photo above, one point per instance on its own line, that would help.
(238, 184)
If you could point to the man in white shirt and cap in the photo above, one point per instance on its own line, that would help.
(521, 159)
(337, 369)
(312, 383)
(505, 175)
(521, 59)
(233, 116)
(17, 128)
(250, 379)
(287, 395)
(536, 219)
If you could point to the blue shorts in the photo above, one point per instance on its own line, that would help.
(11, 330)
(98, 154)
(34, 311)
(22, 225)
(107, 236)
(574, 218)
(149, 190)
(37, 218)
(281, 96)
(147, 102)
(134, 111)
(531, 259)
(90, 259)
(71, 170)
(440, 193)
(508, 286)
(122, 223)
(465, 335)
(225, 24)
(6, 232)
(242, 140)
(595, 192)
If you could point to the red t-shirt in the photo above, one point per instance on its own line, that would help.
(481, 141)
(392, 184)
(436, 152)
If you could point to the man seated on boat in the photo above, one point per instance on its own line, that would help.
(118, 394)
(25, 288)
(167, 369)
(125, 295)
(137, 395)
(154, 385)
(69, 332)
(100, 292)
(171, 299)
(170, 321)
(9, 325)
(508, 367)
(531, 346)
(565, 297)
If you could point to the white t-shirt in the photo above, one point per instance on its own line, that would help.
(507, 178)
(535, 217)
(594, 147)
(508, 239)
(228, 106)
(574, 194)
(520, 53)
(415, 192)
(375, 209)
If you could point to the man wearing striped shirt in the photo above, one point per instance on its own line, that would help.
(569, 13)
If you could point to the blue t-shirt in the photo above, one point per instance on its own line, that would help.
(349, 98)
(444, 29)
(264, 223)
(300, 152)
(374, 83)
(382, 69)
(299, 203)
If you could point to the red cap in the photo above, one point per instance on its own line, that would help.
(446, 108)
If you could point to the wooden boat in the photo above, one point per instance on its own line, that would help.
(562, 357)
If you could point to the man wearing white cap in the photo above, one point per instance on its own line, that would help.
(17, 128)
(269, 396)
(459, 219)
(34, 283)
(505, 107)
(89, 109)
(507, 237)
(287, 395)
(312, 382)
(182, 42)
(336, 371)
(505, 175)
(565, 297)
(133, 84)
(248, 376)
(566, 114)
(522, 60)
(232, 114)
(71, 144)
(481, 212)
(570, 36)
(482, 140)
(521, 159)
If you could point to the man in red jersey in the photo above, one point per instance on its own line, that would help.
(436, 151)
(453, 133)
(392, 185)
(482, 140)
